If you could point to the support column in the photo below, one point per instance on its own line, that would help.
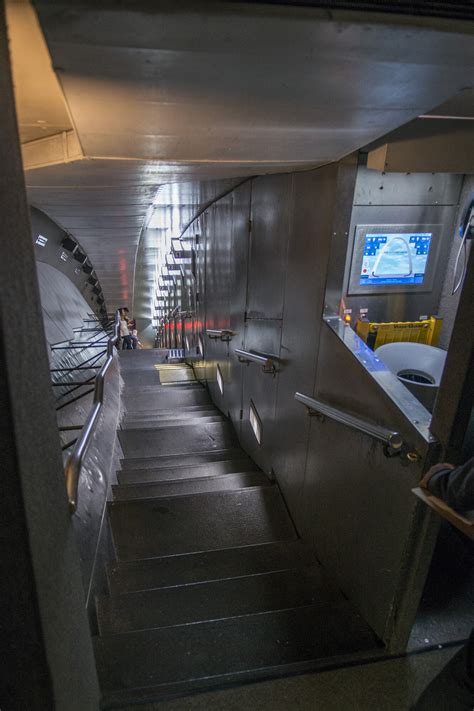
(47, 656)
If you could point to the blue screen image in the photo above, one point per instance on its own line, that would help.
(399, 258)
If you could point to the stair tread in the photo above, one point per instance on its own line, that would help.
(166, 398)
(148, 528)
(135, 575)
(186, 487)
(183, 658)
(183, 413)
(210, 469)
(161, 424)
(213, 600)
(183, 438)
(183, 460)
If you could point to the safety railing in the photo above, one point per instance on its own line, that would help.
(74, 462)
(391, 439)
(266, 360)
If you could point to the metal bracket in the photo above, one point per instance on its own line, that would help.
(223, 334)
(265, 360)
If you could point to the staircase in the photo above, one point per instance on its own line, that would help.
(211, 584)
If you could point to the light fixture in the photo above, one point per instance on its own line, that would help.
(220, 380)
(41, 241)
(255, 423)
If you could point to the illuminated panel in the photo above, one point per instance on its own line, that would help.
(220, 380)
(41, 241)
(395, 258)
(255, 423)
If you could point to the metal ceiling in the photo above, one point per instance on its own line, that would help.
(162, 92)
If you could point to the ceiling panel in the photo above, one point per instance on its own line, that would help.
(202, 94)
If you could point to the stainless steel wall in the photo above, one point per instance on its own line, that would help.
(267, 256)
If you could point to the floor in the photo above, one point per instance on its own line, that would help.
(384, 686)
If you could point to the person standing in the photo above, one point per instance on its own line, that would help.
(124, 331)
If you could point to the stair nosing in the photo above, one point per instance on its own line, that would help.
(187, 495)
(193, 478)
(221, 619)
(289, 568)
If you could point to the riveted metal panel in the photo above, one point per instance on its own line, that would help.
(270, 216)
(378, 188)
(312, 213)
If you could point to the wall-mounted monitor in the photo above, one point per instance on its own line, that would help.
(393, 258)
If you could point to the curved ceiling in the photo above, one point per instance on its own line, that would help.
(161, 92)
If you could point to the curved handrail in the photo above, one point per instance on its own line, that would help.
(74, 462)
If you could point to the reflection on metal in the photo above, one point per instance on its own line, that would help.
(412, 409)
(220, 334)
(73, 465)
(263, 359)
(392, 439)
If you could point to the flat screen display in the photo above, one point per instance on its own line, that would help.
(395, 258)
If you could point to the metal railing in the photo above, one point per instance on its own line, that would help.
(388, 437)
(266, 360)
(222, 334)
(74, 462)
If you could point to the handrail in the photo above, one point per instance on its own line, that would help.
(74, 462)
(224, 334)
(264, 359)
(390, 438)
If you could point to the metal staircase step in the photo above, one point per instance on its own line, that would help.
(135, 575)
(160, 424)
(202, 522)
(154, 664)
(183, 460)
(181, 414)
(181, 439)
(210, 469)
(185, 487)
(164, 398)
(214, 600)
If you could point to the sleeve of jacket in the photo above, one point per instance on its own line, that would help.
(455, 486)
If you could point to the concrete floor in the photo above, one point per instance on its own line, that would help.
(384, 686)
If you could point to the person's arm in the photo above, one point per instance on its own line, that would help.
(454, 485)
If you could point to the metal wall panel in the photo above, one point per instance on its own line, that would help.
(238, 286)
(262, 335)
(360, 514)
(270, 215)
(404, 200)
(198, 228)
(312, 214)
(218, 293)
